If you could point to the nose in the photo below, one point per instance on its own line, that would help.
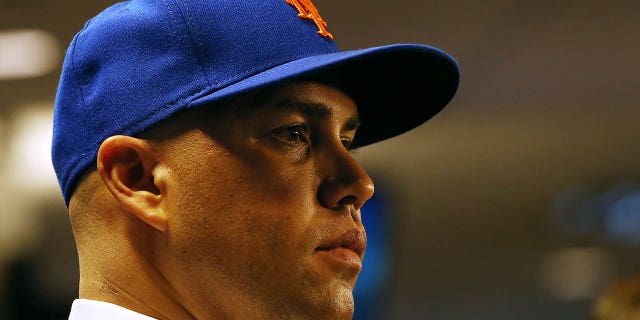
(345, 183)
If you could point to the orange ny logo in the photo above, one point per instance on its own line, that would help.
(306, 10)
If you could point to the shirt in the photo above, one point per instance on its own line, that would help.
(84, 309)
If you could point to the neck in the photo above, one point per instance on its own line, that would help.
(121, 271)
(142, 290)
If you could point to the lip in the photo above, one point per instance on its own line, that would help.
(346, 249)
(343, 256)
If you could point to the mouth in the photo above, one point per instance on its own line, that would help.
(347, 249)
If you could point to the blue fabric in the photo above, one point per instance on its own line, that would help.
(138, 62)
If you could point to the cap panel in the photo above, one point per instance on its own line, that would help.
(243, 38)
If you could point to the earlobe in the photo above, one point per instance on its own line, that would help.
(131, 172)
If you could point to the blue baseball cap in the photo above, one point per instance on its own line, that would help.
(139, 62)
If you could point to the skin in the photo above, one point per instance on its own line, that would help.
(232, 212)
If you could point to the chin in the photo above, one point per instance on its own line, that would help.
(345, 309)
(333, 302)
(341, 304)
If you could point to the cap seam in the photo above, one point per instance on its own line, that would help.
(83, 82)
(189, 35)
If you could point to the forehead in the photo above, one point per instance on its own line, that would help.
(313, 99)
(310, 98)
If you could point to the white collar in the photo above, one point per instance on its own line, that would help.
(84, 309)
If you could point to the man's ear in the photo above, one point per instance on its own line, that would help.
(130, 170)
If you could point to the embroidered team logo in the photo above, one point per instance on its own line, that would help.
(306, 10)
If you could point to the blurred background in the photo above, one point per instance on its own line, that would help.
(520, 200)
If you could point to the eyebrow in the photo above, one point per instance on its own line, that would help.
(316, 110)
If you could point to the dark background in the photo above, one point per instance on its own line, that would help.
(519, 201)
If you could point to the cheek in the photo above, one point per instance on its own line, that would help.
(249, 213)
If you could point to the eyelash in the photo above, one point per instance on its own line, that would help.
(347, 143)
(291, 135)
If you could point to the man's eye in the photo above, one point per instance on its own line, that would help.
(292, 134)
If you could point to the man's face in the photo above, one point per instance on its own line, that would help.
(264, 208)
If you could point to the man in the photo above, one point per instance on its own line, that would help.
(203, 149)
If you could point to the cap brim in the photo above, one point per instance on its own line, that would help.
(396, 87)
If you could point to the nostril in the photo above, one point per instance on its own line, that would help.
(348, 201)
